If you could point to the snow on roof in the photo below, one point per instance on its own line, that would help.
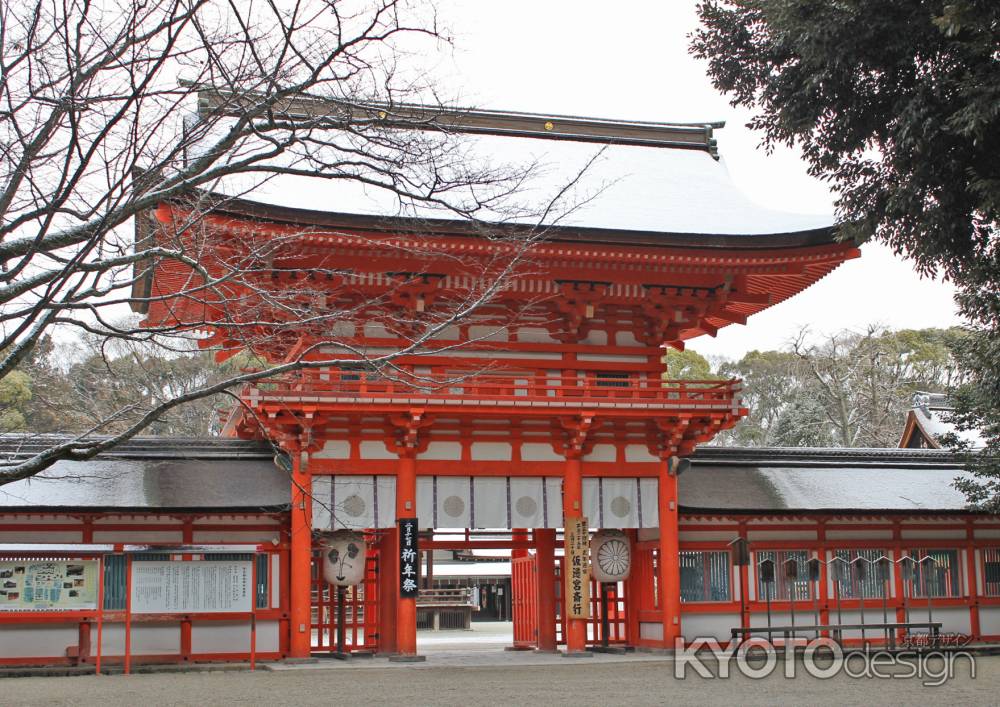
(844, 488)
(641, 188)
(223, 474)
(152, 484)
(931, 413)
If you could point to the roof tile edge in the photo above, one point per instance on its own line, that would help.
(551, 126)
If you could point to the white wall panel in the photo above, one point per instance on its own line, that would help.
(147, 639)
(701, 625)
(425, 502)
(220, 637)
(639, 453)
(37, 641)
(539, 452)
(442, 451)
(602, 453)
(620, 503)
(490, 497)
(375, 449)
(527, 505)
(989, 620)
(334, 449)
(649, 509)
(591, 501)
(651, 631)
(491, 451)
(454, 501)
(553, 502)
(41, 536)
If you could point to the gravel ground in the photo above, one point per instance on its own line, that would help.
(579, 682)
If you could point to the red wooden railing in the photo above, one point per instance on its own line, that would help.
(341, 386)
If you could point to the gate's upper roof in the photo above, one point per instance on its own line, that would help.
(655, 183)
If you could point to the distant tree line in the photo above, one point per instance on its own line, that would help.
(76, 386)
(848, 389)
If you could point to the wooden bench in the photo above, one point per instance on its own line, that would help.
(450, 599)
(836, 631)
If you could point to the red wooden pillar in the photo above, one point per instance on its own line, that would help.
(388, 590)
(897, 577)
(670, 571)
(576, 629)
(300, 604)
(633, 589)
(973, 588)
(545, 562)
(406, 507)
(519, 535)
(744, 575)
(824, 575)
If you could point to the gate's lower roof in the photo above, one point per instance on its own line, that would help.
(165, 474)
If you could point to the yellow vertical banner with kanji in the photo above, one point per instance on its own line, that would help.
(577, 568)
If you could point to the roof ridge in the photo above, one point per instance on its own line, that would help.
(415, 116)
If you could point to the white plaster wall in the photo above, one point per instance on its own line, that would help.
(236, 536)
(147, 639)
(704, 535)
(639, 453)
(535, 335)
(596, 337)
(989, 620)
(375, 449)
(932, 534)
(220, 637)
(39, 536)
(539, 452)
(859, 534)
(334, 449)
(37, 641)
(491, 451)
(626, 338)
(133, 536)
(708, 625)
(488, 333)
(780, 535)
(611, 358)
(651, 631)
(601, 453)
(442, 451)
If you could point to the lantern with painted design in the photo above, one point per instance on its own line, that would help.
(344, 555)
(610, 556)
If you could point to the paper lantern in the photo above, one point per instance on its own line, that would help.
(610, 556)
(344, 555)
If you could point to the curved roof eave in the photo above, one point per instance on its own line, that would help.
(287, 215)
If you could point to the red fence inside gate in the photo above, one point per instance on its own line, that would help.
(615, 601)
(361, 609)
(524, 588)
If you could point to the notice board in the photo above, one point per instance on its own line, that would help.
(33, 585)
(190, 587)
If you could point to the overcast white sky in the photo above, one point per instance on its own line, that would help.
(629, 60)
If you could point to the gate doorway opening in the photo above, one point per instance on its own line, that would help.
(466, 599)
(478, 590)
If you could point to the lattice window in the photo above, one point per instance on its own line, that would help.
(705, 576)
(784, 587)
(935, 573)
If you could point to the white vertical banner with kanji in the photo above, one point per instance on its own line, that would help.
(577, 568)
(409, 565)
